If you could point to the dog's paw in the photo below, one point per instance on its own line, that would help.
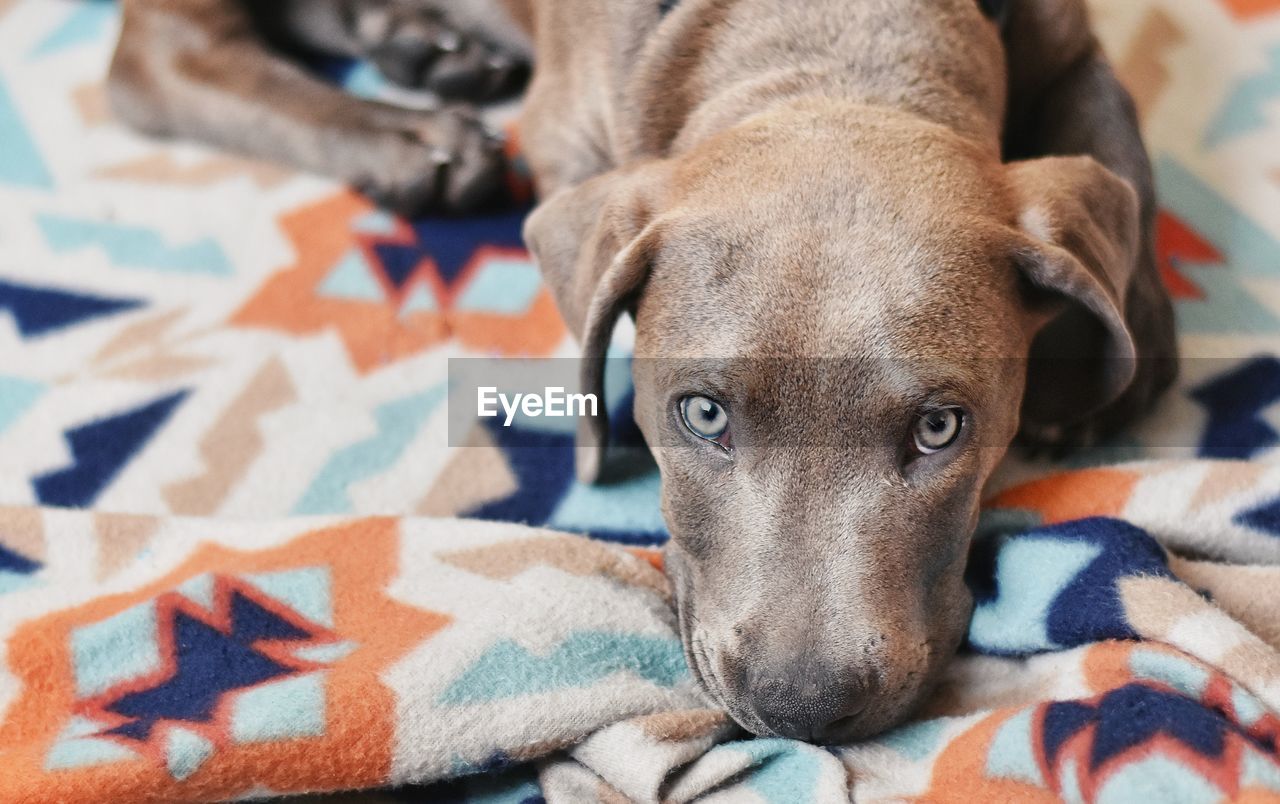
(419, 50)
(436, 162)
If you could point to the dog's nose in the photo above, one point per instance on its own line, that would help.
(809, 702)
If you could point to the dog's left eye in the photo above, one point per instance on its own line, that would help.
(705, 418)
(938, 429)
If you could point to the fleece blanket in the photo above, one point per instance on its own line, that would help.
(256, 658)
(241, 555)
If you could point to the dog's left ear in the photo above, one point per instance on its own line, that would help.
(1077, 246)
(594, 243)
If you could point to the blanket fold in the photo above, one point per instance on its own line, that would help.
(158, 659)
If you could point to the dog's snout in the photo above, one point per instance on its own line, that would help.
(808, 701)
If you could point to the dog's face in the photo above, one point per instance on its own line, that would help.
(834, 319)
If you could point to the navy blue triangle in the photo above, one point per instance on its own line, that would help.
(450, 242)
(11, 561)
(251, 622)
(1062, 721)
(1265, 517)
(38, 311)
(99, 450)
(543, 467)
(208, 664)
(1134, 714)
(1234, 402)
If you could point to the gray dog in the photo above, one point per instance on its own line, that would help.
(905, 231)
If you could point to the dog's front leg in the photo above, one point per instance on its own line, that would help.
(199, 69)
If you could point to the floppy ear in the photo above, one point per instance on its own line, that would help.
(1079, 242)
(593, 243)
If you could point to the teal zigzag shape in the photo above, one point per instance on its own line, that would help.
(397, 422)
(1249, 253)
(85, 22)
(20, 160)
(1249, 249)
(1243, 110)
(16, 397)
(507, 670)
(1031, 573)
(134, 246)
(783, 771)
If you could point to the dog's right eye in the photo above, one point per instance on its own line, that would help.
(935, 430)
(706, 418)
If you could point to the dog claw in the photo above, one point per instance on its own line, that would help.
(448, 42)
(445, 162)
(418, 50)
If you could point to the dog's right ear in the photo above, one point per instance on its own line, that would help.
(594, 243)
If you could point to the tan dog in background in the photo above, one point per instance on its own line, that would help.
(866, 243)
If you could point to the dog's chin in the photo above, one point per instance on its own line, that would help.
(883, 713)
(720, 696)
(889, 707)
(882, 716)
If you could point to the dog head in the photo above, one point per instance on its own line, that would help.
(835, 310)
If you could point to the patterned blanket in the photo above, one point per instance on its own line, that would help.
(241, 557)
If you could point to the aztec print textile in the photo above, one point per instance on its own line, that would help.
(239, 556)
(171, 659)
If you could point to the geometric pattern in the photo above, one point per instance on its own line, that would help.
(397, 422)
(1178, 246)
(1235, 402)
(99, 450)
(1058, 587)
(439, 649)
(20, 161)
(203, 659)
(133, 246)
(1243, 110)
(577, 662)
(547, 490)
(40, 310)
(84, 23)
(392, 290)
(16, 396)
(235, 661)
(16, 569)
(1164, 728)
(1231, 295)
(1265, 517)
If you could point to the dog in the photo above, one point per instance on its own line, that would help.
(866, 245)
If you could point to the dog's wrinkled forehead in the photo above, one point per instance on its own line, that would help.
(792, 285)
(825, 160)
(878, 228)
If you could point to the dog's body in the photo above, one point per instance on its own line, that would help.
(814, 196)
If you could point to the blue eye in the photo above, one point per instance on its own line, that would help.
(705, 417)
(938, 429)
